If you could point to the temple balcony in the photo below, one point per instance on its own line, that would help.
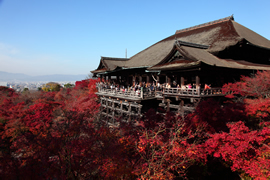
(128, 95)
(166, 92)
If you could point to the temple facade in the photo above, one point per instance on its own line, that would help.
(180, 70)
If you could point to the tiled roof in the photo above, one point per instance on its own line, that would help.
(216, 36)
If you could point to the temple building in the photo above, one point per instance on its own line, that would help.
(184, 68)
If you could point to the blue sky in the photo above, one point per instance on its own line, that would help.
(41, 37)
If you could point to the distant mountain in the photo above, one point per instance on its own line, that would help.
(11, 77)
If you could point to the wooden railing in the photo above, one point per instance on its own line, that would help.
(193, 92)
(212, 92)
(128, 93)
(144, 94)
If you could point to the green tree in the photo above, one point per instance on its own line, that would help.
(25, 90)
(68, 85)
(51, 86)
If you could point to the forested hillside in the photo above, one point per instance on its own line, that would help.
(58, 135)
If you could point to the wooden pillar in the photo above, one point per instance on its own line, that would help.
(147, 79)
(101, 78)
(168, 79)
(100, 108)
(133, 79)
(129, 112)
(198, 86)
(140, 78)
(168, 105)
(107, 108)
(181, 109)
(197, 81)
(121, 107)
(139, 111)
(157, 79)
(113, 110)
(182, 81)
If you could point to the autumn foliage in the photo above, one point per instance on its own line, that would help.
(58, 135)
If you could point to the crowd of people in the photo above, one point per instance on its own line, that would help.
(142, 86)
(137, 87)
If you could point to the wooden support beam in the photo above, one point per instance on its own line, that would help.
(182, 81)
(113, 111)
(139, 111)
(197, 82)
(147, 79)
(101, 77)
(129, 112)
(133, 79)
(176, 79)
(168, 105)
(107, 109)
(121, 107)
(181, 109)
(168, 79)
(112, 108)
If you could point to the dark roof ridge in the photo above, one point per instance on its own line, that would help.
(114, 58)
(185, 43)
(206, 24)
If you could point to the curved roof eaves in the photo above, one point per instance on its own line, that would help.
(251, 36)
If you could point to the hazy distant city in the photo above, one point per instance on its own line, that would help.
(20, 86)
(19, 82)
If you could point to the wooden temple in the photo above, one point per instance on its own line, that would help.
(213, 54)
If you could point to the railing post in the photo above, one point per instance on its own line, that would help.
(142, 92)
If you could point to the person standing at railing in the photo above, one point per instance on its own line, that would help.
(123, 89)
(158, 87)
(207, 86)
(189, 86)
(152, 87)
(183, 87)
(174, 85)
(137, 91)
(168, 85)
